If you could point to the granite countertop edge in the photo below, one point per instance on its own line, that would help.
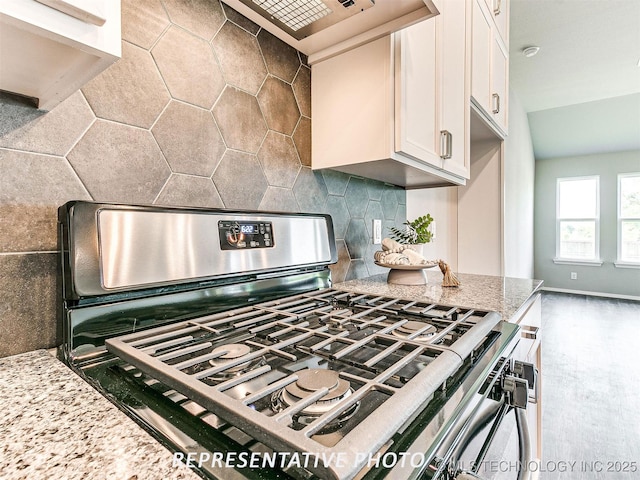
(505, 295)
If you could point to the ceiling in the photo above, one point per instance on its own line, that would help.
(582, 90)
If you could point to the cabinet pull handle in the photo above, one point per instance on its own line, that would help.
(446, 144)
(498, 7)
(530, 333)
(496, 103)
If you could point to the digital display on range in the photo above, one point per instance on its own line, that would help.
(235, 235)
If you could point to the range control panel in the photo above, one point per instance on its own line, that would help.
(238, 234)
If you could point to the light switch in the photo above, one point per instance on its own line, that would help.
(377, 231)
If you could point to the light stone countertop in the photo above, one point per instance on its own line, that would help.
(504, 295)
(55, 425)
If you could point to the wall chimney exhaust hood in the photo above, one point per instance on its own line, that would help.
(324, 28)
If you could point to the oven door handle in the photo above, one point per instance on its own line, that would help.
(524, 441)
(497, 413)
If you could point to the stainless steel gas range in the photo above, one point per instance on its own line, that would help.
(220, 333)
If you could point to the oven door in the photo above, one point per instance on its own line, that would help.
(493, 440)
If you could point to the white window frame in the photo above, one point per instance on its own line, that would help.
(619, 262)
(596, 261)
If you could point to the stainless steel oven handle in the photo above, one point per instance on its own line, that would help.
(524, 440)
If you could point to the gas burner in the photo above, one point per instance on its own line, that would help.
(411, 327)
(230, 353)
(310, 381)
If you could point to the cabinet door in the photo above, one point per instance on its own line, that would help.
(417, 117)
(499, 79)
(451, 26)
(481, 37)
(500, 12)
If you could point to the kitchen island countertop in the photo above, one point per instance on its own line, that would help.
(55, 425)
(504, 295)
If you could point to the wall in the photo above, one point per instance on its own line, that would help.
(480, 213)
(605, 279)
(442, 204)
(519, 180)
(204, 109)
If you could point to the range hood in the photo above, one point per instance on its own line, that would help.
(324, 28)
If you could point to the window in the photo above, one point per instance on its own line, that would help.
(578, 220)
(629, 218)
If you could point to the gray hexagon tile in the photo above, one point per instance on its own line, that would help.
(310, 191)
(336, 181)
(357, 238)
(143, 21)
(281, 59)
(129, 91)
(32, 187)
(337, 208)
(277, 199)
(190, 191)
(374, 189)
(389, 204)
(53, 133)
(401, 194)
(401, 214)
(200, 17)
(240, 58)
(240, 120)
(189, 139)
(302, 90)
(279, 160)
(357, 197)
(340, 268)
(28, 296)
(279, 105)
(374, 212)
(239, 180)
(188, 67)
(240, 20)
(369, 260)
(302, 139)
(119, 163)
(357, 269)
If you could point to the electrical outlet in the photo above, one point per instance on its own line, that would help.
(377, 231)
(574, 275)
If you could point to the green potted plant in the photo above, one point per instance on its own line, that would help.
(417, 232)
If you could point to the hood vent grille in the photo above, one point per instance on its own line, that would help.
(302, 18)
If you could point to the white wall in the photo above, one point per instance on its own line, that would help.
(519, 181)
(479, 212)
(442, 204)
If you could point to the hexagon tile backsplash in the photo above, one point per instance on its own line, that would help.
(201, 99)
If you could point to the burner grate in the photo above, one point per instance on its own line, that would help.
(232, 363)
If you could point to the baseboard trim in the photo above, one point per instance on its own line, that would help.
(591, 294)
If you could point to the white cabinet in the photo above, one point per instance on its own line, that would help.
(530, 350)
(49, 53)
(396, 109)
(490, 61)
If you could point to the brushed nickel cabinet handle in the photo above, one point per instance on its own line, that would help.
(446, 144)
(496, 103)
(497, 8)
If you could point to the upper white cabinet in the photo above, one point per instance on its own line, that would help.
(51, 48)
(396, 109)
(490, 61)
